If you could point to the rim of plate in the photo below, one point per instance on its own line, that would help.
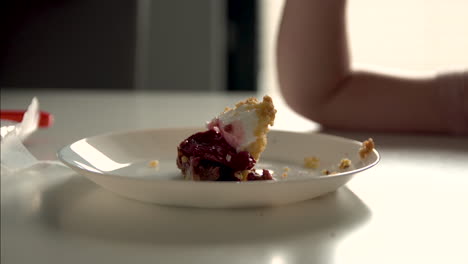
(341, 174)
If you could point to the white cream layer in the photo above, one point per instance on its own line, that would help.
(237, 126)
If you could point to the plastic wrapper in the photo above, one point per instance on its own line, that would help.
(14, 155)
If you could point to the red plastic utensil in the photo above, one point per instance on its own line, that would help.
(45, 119)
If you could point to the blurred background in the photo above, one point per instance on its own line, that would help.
(207, 45)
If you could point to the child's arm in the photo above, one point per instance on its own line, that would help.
(316, 80)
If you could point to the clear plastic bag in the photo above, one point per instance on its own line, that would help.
(14, 155)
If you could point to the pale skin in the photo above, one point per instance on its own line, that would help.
(317, 82)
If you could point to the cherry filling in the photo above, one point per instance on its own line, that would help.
(206, 156)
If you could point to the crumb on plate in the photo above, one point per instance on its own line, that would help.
(285, 172)
(242, 175)
(311, 162)
(366, 148)
(344, 164)
(153, 163)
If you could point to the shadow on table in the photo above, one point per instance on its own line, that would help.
(79, 206)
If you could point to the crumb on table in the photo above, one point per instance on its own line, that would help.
(344, 164)
(311, 162)
(153, 163)
(328, 172)
(366, 148)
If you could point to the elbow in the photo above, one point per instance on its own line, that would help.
(318, 112)
(318, 107)
(298, 91)
(303, 104)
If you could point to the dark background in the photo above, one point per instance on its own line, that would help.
(86, 44)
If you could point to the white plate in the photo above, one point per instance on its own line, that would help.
(119, 162)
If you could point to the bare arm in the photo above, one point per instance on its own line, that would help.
(316, 80)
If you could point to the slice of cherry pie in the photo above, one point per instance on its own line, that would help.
(231, 146)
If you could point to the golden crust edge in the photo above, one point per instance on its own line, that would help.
(266, 113)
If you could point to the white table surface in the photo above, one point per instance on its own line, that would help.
(411, 208)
